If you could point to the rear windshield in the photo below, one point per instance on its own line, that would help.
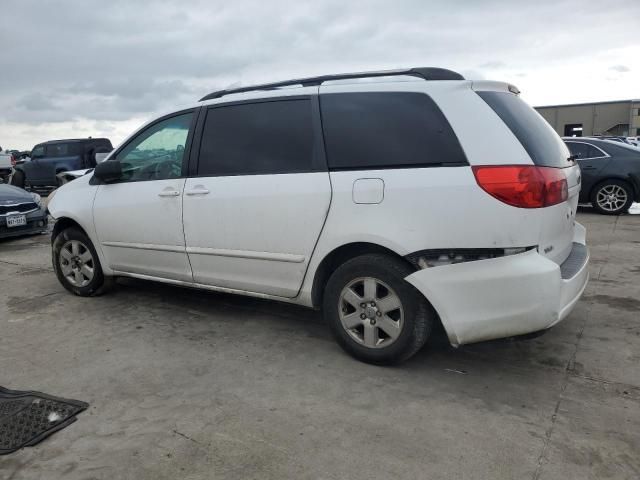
(541, 142)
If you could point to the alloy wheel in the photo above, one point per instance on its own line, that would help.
(611, 198)
(76, 263)
(371, 312)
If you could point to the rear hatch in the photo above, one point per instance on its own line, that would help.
(546, 149)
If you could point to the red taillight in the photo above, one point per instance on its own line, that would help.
(13, 160)
(524, 186)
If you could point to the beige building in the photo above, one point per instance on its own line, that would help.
(602, 118)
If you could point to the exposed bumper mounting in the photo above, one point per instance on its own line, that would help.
(506, 296)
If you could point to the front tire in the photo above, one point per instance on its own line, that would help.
(612, 197)
(374, 314)
(77, 265)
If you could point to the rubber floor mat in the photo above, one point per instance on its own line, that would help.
(27, 418)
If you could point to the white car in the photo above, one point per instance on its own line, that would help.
(393, 203)
(6, 166)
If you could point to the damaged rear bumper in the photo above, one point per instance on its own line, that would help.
(506, 296)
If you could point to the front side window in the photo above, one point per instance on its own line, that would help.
(257, 138)
(157, 152)
(37, 151)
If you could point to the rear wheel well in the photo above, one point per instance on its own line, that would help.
(62, 224)
(337, 257)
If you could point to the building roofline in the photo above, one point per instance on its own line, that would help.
(631, 100)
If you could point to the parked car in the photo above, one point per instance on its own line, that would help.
(380, 202)
(6, 166)
(50, 158)
(21, 212)
(22, 156)
(68, 176)
(610, 173)
(612, 138)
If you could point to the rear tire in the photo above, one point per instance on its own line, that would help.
(77, 265)
(374, 314)
(612, 197)
(17, 179)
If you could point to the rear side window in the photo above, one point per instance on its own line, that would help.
(257, 138)
(370, 130)
(583, 150)
(57, 150)
(100, 143)
(63, 149)
(541, 142)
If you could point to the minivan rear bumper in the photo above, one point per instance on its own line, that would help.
(506, 296)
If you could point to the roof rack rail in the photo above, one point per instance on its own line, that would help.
(426, 73)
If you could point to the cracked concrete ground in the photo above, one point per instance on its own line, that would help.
(193, 385)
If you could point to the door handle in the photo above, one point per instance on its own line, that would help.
(169, 193)
(199, 190)
(589, 168)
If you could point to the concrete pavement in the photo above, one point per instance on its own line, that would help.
(197, 385)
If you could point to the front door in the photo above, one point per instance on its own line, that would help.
(139, 218)
(39, 169)
(255, 208)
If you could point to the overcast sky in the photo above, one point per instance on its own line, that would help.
(103, 67)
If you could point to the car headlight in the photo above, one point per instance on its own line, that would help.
(37, 198)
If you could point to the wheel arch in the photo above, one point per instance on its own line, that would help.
(63, 223)
(337, 257)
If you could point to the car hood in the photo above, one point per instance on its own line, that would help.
(10, 195)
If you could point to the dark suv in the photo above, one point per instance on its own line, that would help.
(50, 158)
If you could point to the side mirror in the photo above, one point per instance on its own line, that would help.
(108, 172)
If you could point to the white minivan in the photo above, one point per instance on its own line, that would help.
(392, 200)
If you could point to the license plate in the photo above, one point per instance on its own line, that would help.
(16, 221)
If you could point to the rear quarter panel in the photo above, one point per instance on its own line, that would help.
(423, 208)
(624, 168)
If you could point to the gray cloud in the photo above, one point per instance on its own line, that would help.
(492, 65)
(112, 61)
(620, 68)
